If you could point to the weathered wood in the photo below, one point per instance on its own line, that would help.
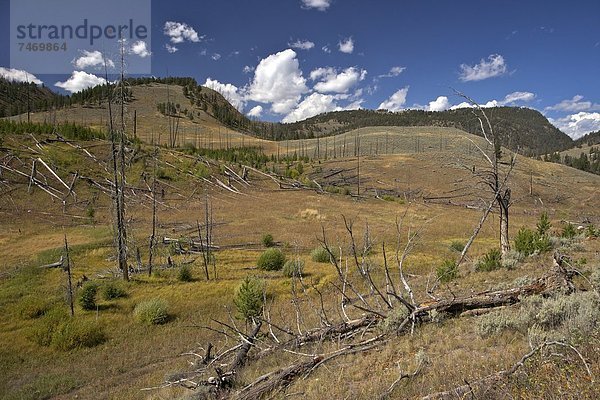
(57, 264)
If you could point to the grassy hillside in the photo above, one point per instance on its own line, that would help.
(425, 175)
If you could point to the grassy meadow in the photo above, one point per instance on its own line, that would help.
(419, 176)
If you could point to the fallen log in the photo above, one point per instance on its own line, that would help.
(57, 264)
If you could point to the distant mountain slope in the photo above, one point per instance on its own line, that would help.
(591, 139)
(521, 129)
(18, 97)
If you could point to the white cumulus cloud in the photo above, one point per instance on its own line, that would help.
(492, 67)
(255, 112)
(394, 71)
(330, 81)
(302, 44)
(396, 101)
(278, 80)
(179, 32)
(320, 5)
(18, 75)
(230, 92)
(93, 59)
(509, 100)
(346, 46)
(579, 124)
(439, 104)
(140, 48)
(575, 104)
(171, 49)
(80, 80)
(312, 105)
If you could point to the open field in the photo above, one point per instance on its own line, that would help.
(425, 174)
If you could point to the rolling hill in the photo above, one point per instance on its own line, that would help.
(205, 116)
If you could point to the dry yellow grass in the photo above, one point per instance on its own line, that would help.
(137, 356)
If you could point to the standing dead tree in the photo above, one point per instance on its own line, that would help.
(494, 177)
(206, 240)
(117, 141)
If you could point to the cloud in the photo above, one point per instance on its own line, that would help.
(80, 80)
(330, 81)
(248, 69)
(509, 100)
(179, 32)
(230, 92)
(171, 49)
(312, 105)
(93, 59)
(394, 71)
(490, 68)
(396, 101)
(320, 5)
(140, 48)
(326, 49)
(518, 96)
(579, 124)
(255, 112)
(278, 80)
(574, 105)
(439, 104)
(346, 46)
(216, 57)
(18, 75)
(302, 44)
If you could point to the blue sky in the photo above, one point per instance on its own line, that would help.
(284, 60)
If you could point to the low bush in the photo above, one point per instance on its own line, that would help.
(571, 318)
(491, 261)
(56, 329)
(87, 297)
(568, 231)
(271, 260)
(184, 274)
(268, 241)
(457, 246)
(320, 255)
(249, 298)
(152, 312)
(293, 268)
(528, 242)
(75, 334)
(33, 307)
(112, 291)
(394, 319)
(447, 271)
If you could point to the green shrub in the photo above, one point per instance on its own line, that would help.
(568, 231)
(544, 225)
(74, 334)
(528, 242)
(152, 312)
(33, 307)
(394, 319)
(271, 260)
(457, 246)
(184, 274)
(293, 268)
(491, 261)
(320, 255)
(592, 232)
(44, 328)
(112, 291)
(87, 297)
(447, 271)
(267, 240)
(249, 297)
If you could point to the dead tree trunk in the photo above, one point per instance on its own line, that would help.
(67, 267)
